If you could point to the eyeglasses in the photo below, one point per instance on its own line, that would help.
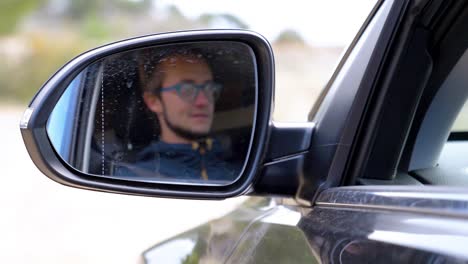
(189, 91)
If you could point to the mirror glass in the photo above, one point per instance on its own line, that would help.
(179, 113)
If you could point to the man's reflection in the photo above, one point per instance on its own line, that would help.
(181, 91)
(182, 94)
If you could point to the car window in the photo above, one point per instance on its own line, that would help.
(461, 123)
(443, 146)
(455, 150)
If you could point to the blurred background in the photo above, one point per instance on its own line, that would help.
(44, 222)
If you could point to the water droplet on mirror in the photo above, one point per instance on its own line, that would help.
(129, 84)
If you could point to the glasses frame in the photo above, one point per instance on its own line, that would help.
(198, 87)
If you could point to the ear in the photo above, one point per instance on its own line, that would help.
(153, 102)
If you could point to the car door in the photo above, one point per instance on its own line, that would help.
(404, 209)
(401, 205)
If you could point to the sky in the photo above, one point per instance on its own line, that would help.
(320, 22)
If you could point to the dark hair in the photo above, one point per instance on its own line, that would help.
(150, 70)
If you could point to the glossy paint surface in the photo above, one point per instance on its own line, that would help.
(345, 226)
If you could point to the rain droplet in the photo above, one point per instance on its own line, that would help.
(129, 84)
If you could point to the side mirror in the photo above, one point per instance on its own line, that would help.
(183, 114)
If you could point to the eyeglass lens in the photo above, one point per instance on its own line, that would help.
(189, 91)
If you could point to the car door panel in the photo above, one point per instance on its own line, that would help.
(214, 241)
(347, 225)
(392, 224)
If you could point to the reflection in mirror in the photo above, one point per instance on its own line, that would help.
(179, 113)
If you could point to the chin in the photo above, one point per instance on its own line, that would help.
(198, 128)
(201, 131)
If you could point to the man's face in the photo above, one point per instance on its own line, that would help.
(179, 116)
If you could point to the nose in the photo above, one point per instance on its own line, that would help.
(201, 99)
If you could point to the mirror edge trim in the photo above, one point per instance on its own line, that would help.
(46, 159)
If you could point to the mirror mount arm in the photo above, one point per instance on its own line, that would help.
(287, 147)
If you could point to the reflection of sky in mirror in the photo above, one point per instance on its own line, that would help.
(319, 22)
(59, 125)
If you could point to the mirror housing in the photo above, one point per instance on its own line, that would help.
(34, 122)
(275, 150)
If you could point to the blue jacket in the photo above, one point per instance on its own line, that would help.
(181, 161)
